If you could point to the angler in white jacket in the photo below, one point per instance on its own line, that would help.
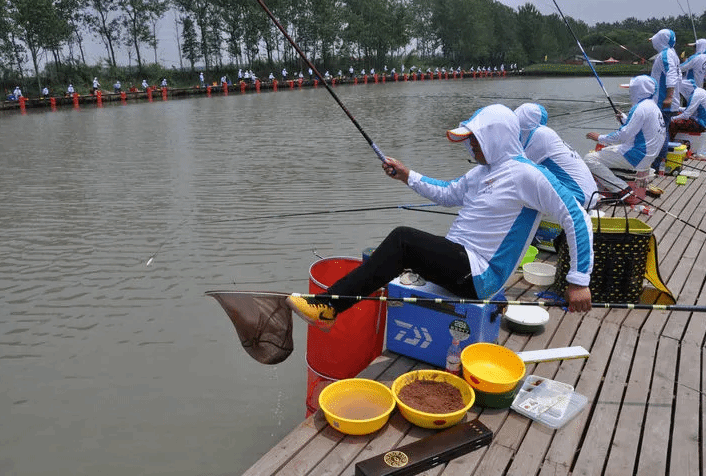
(501, 199)
(543, 146)
(634, 145)
(693, 117)
(695, 65)
(666, 72)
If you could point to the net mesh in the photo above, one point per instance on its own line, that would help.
(263, 323)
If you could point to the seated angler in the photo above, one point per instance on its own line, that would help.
(543, 146)
(693, 117)
(633, 146)
(501, 199)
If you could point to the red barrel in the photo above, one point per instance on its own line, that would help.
(315, 383)
(358, 335)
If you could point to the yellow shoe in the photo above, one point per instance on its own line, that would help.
(313, 311)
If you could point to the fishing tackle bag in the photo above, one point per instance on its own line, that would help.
(624, 254)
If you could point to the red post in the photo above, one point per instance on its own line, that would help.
(99, 98)
(75, 98)
(300, 81)
(376, 78)
(52, 102)
(257, 85)
(446, 75)
(208, 90)
(164, 93)
(316, 83)
(242, 86)
(23, 106)
(291, 84)
(355, 80)
(421, 76)
(383, 78)
(123, 97)
(225, 88)
(274, 85)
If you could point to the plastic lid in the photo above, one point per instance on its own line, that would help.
(549, 402)
(528, 315)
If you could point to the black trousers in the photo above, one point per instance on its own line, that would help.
(433, 257)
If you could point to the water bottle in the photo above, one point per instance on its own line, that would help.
(453, 358)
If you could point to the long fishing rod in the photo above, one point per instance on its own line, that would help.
(408, 206)
(414, 300)
(375, 148)
(691, 17)
(623, 47)
(615, 109)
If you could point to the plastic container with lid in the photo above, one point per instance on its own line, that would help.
(547, 401)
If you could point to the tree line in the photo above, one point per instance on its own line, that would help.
(219, 35)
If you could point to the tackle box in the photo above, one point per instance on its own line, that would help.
(424, 330)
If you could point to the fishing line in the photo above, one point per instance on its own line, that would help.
(691, 17)
(585, 56)
(414, 300)
(375, 148)
(623, 47)
(408, 206)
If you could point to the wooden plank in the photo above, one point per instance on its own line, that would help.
(596, 444)
(655, 445)
(625, 444)
(684, 459)
(565, 444)
(538, 438)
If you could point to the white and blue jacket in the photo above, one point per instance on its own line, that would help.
(502, 203)
(695, 66)
(665, 69)
(543, 146)
(642, 135)
(696, 102)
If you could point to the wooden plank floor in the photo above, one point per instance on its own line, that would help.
(645, 381)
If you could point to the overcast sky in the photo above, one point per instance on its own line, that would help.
(609, 11)
(589, 11)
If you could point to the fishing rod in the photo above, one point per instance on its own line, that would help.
(415, 300)
(408, 206)
(375, 148)
(691, 17)
(623, 47)
(615, 109)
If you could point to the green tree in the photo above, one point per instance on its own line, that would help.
(103, 21)
(39, 27)
(137, 19)
(190, 47)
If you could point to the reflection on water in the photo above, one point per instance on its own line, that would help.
(110, 366)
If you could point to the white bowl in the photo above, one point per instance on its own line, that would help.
(540, 274)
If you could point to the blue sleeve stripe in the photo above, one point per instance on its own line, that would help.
(566, 179)
(507, 256)
(582, 236)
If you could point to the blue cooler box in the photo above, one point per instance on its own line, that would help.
(423, 330)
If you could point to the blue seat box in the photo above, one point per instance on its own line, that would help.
(422, 330)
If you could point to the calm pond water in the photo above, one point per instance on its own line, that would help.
(112, 367)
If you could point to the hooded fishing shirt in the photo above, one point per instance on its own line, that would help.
(502, 203)
(696, 102)
(643, 133)
(543, 146)
(694, 67)
(665, 69)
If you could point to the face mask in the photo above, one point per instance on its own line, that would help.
(472, 160)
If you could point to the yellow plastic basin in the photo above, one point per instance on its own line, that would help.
(433, 420)
(356, 406)
(491, 368)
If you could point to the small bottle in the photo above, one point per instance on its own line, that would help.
(453, 357)
(662, 167)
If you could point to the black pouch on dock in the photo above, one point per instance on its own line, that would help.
(428, 452)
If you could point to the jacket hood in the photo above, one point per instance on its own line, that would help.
(664, 39)
(642, 87)
(687, 87)
(530, 117)
(497, 130)
(700, 45)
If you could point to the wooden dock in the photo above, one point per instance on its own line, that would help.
(645, 381)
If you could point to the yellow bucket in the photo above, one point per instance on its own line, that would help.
(433, 420)
(491, 368)
(357, 406)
